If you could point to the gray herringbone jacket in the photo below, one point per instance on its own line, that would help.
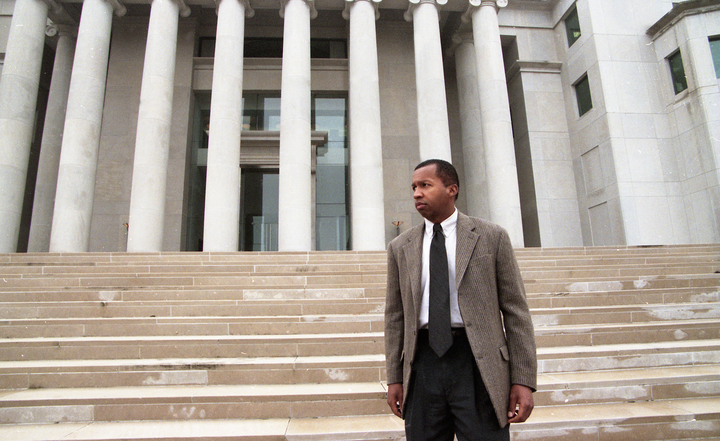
(490, 293)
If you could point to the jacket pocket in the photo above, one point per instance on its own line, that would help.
(504, 352)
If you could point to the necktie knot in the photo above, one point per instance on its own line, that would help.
(437, 228)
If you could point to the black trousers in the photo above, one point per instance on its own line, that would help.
(447, 397)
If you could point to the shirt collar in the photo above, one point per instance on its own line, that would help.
(448, 225)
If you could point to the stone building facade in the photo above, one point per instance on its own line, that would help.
(571, 122)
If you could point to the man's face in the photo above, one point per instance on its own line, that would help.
(433, 200)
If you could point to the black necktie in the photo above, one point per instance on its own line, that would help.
(439, 314)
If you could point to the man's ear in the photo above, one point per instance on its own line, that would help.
(453, 190)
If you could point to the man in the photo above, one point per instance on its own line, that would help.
(474, 378)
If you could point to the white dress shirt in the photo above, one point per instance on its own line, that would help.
(449, 227)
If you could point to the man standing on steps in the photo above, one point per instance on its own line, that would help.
(459, 341)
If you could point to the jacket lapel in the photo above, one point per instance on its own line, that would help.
(467, 238)
(413, 257)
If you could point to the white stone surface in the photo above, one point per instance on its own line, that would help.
(152, 146)
(18, 96)
(433, 129)
(503, 191)
(81, 135)
(473, 151)
(222, 190)
(295, 193)
(47, 174)
(366, 168)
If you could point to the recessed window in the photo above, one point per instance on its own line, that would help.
(273, 48)
(582, 93)
(572, 27)
(677, 72)
(715, 49)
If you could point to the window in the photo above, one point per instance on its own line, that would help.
(582, 93)
(273, 48)
(715, 49)
(572, 27)
(677, 72)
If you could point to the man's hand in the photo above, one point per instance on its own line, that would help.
(521, 403)
(395, 398)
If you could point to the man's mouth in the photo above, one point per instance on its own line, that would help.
(420, 205)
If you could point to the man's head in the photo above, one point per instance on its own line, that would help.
(435, 188)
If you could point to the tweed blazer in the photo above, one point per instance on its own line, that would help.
(492, 301)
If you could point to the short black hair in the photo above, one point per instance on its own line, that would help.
(443, 170)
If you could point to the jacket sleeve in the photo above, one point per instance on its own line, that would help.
(394, 321)
(516, 316)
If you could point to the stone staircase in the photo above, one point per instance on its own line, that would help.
(289, 346)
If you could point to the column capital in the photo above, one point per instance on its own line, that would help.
(55, 7)
(476, 4)
(62, 30)
(311, 3)
(349, 3)
(415, 3)
(119, 8)
(183, 7)
(460, 37)
(249, 11)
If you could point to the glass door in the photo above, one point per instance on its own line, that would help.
(259, 210)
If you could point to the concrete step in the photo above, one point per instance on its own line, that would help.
(43, 374)
(622, 333)
(104, 372)
(170, 321)
(324, 400)
(210, 325)
(627, 356)
(648, 296)
(198, 346)
(192, 402)
(628, 385)
(692, 419)
(189, 308)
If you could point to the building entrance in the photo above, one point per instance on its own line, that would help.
(259, 210)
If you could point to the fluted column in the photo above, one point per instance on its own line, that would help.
(81, 136)
(222, 189)
(18, 95)
(152, 142)
(47, 174)
(295, 192)
(366, 162)
(433, 128)
(503, 190)
(471, 126)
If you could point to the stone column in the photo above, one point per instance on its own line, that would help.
(433, 128)
(47, 174)
(152, 142)
(503, 191)
(18, 94)
(471, 126)
(222, 188)
(295, 192)
(81, 135)
(366, 162)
